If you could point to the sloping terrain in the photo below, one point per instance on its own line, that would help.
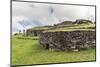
(73, 27)
(68, 26)
(69, 37)
(27, 50)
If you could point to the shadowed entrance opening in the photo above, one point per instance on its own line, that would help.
(47, 46)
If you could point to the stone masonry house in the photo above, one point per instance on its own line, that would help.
(73, 37)
(66, 36)
(67, 41)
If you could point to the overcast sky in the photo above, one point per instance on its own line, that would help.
(48, 14)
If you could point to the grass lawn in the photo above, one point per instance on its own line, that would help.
(27, 51)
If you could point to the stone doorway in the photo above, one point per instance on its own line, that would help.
(47, 46)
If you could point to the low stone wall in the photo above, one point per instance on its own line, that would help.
(31, 32)
(67, 41)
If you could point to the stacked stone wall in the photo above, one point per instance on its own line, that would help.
(67, 41)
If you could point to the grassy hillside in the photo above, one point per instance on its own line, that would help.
(69, 26)
(41, 27)
(26, 50)
(73, 27)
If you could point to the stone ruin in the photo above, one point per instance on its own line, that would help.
(31, 32)
(67, 41)
(36, 31)
(81, 21)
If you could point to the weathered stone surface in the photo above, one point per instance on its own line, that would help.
(67, 41)
(31, 32)
(37, 30)
(81, 21)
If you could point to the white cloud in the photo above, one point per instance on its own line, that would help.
(48, 14)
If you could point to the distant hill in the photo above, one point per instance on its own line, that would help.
(64, 23)
(79, 24)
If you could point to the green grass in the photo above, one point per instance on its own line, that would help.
(28, 51)
(41, 28)
(73, 27)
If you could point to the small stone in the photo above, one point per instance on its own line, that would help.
(75, 50)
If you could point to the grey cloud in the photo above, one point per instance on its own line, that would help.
(42, 10)
(44, 14)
